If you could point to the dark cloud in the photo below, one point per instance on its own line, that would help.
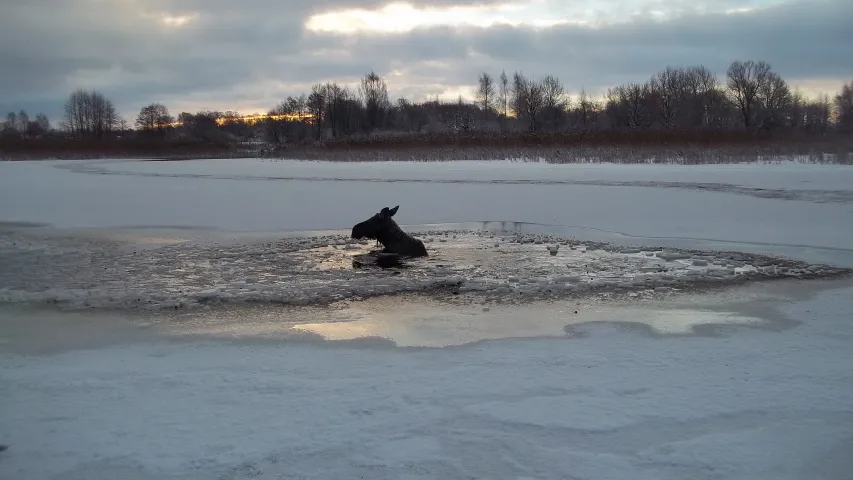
(800, 39)
(259, 49)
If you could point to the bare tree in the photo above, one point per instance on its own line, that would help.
(288, 121)
(816, 115)
(462, 119)
(411, 117)
(553, 92)
(670, 88)
(630, 105)
(774, 101)
(797, 110)
(518, 94)
(554, 101)
(745, 79)
(107, 117)
(585, 109)
(316, 104)
(486, 93)
(344, 113)
(375, 95)
(527, 100)
(701, 86)
(147, 118)
(354, 117)
(154, 118)
(23, 121)
(504, 93)
(12, 121)
(503, 86)
(201, 127)
(335, 97)
(43, 122)
(844, 108)
(89, 114)
(636, 96)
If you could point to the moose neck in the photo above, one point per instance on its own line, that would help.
(388, 233)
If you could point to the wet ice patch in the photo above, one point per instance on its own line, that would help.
(76, 272)
(416, 323)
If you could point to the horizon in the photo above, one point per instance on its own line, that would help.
(210, 55)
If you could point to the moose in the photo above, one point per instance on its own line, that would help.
(397, 243)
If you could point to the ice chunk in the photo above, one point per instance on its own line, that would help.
(671, 256)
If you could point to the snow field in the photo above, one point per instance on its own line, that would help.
(609, 405)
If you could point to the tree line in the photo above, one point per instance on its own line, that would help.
(750, 97)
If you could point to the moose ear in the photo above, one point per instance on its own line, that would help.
(393, 211)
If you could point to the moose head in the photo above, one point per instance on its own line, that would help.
(384, 229)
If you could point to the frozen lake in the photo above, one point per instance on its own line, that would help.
(597, 375)
(738, 203)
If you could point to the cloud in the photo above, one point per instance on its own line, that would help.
(403, 17)
(248, 55)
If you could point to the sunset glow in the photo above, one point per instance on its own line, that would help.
(255, 119)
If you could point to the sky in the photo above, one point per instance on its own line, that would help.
(247, 55)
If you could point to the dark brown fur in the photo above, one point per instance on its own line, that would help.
(384, 229)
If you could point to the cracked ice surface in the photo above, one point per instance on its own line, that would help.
(75, 272)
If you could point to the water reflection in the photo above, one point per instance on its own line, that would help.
(431, 325)
(424, 322)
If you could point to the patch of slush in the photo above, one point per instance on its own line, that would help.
(417, 325)
(77, 272)
(610, 405)
(420, 321)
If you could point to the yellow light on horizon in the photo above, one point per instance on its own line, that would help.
(254, 119)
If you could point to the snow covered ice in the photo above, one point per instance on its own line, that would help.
(669, 322)
(609, 405)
